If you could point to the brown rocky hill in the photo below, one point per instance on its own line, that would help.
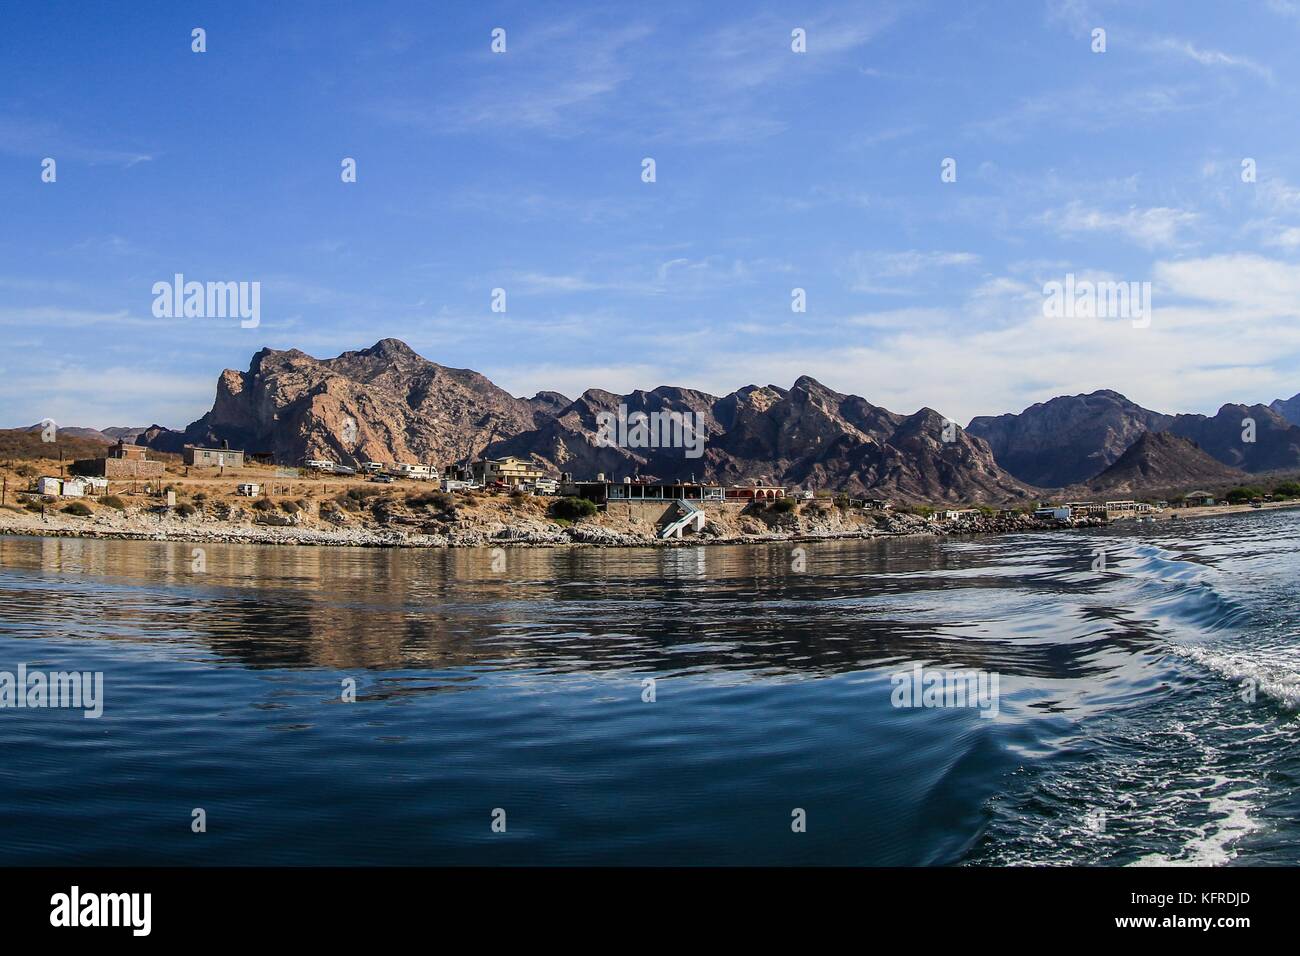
(1162, 461)
(386, 403)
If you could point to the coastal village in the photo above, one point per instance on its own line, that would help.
(226, 493)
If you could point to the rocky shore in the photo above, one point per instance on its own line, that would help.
(497, 529)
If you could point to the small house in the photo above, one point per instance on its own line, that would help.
(223, 457)
(248, 489)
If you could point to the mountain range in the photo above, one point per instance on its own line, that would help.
(1073, 438)
(1161, 461)
(387, 403)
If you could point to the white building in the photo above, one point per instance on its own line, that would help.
(248, 490)
(1058, 512)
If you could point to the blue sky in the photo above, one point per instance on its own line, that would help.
(774, 170)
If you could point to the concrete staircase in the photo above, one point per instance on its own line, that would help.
(691, 517)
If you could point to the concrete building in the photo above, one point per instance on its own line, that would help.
(755, 492)
(223, 457)
(121, 461)
(507, 471)
(602, 491)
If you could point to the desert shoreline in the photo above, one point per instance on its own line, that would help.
(583, 535)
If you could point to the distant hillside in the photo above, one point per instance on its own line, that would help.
(1161, 461)
(1073, 438)
(71, 431)
(24, 444)
(1068, 439)
(1288, 408)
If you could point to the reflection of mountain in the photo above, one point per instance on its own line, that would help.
(447, 616)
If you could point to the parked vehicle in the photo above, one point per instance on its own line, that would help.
(382, 479)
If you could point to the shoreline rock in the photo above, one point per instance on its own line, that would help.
(497, 534)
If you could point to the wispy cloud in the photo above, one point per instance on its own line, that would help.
(893, 272)
(1207, 57)
(40, 138)
(1152, 228)
(553, 79)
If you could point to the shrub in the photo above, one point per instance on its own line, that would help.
(113, 501)
(1238, 495)
(783, 506)
(1288, 489)
(186, 510)
(290, 507)
(78, 509)
(25, 471)
(437, 499)
(573, 508)
(263, 504)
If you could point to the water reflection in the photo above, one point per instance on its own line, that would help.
(1012, 605)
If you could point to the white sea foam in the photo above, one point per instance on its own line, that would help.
(1230, 820)
(1274, 672)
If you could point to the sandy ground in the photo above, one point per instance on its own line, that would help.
(330, 510)
(350, 511)
(1213, 511)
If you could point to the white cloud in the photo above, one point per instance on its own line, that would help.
(1152, 228)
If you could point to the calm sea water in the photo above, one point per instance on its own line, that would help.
(1123, 736)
